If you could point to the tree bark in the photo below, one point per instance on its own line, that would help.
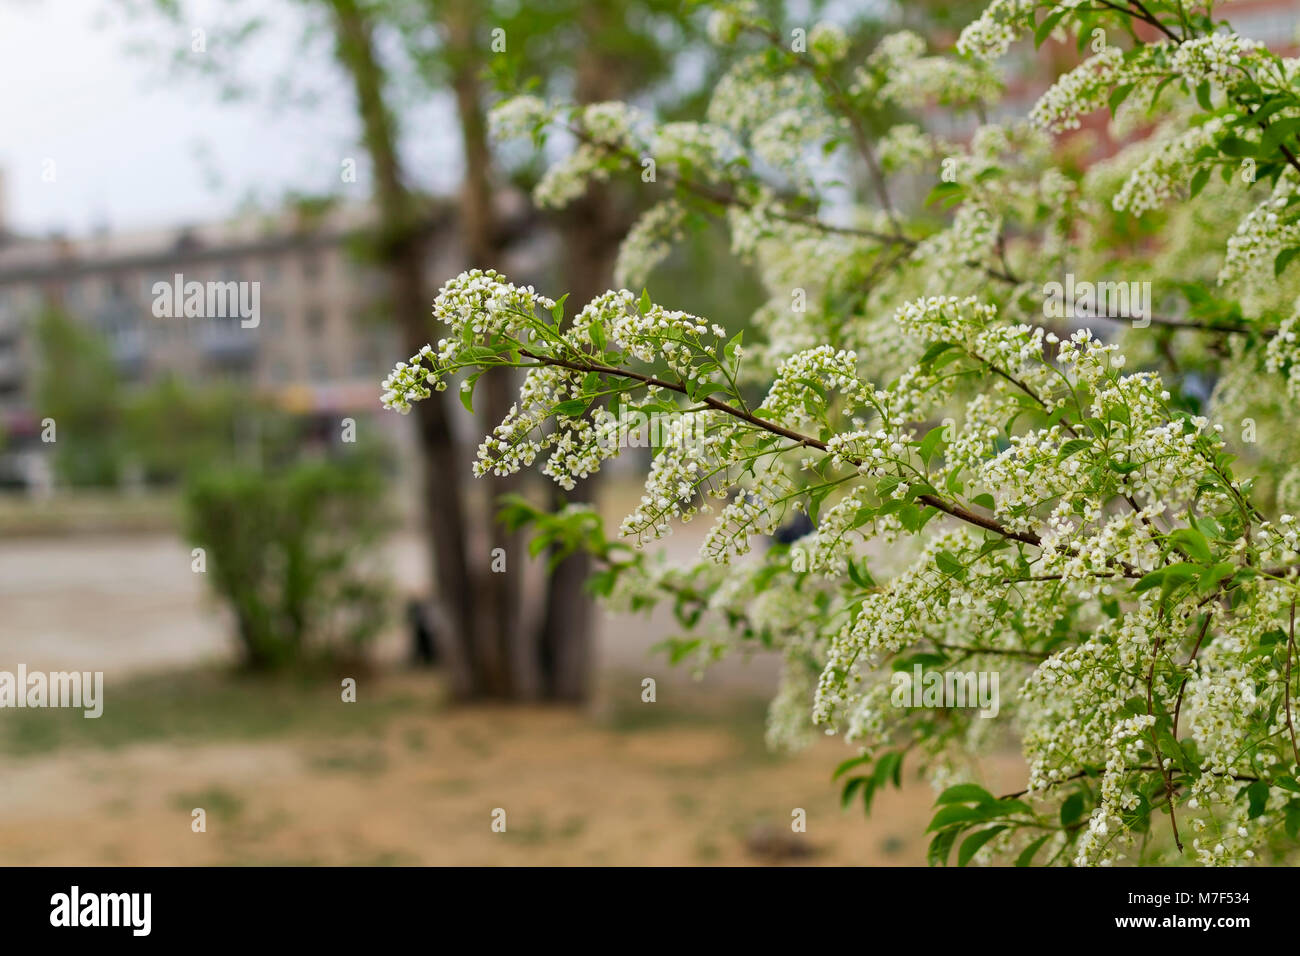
(401, 248)
(592, 228)
(497, 595)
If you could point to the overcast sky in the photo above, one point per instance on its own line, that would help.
(136, 144)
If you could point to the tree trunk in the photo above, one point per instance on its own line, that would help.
(401, 250)
(497, 594)
(592, 229)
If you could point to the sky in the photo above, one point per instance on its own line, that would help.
(98, 129)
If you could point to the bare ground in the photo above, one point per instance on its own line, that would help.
(421, 786)
(292, 776)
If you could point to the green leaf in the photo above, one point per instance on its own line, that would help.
(1278, 133)
(862, 578)
(1284, 259)
(729, 351)
(1044, 29)
(1118, 96)
(572, 408)
(965, 793)
(949, 564)
(557, 313)
(1287, 783)
(1168, 577)
(467, 394)
(934, 351)
(1006, 807)
(954, 815)
(1072, 446)
(848, 765)
(942, 191)
(930, 443)
(1193, 544)
(1150, 580)
(1211, 577)
(1170, 747)
(1257, 793)
(1237, 147)
(1027, 854)
(1071, 809)
(940, 847)
(1292, 811)
(890, 766)
(644, 305)
(1203, 96)
(972, 844)
(850, 788)
(1199, 179)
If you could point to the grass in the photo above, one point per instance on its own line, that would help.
(207, 705)
(218, 801)
(82, 511)
(215, 704)
(742, 714)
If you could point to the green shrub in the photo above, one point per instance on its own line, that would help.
(293, 554)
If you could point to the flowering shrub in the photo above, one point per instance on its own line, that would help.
(1099, 515)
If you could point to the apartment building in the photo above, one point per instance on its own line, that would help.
(319, 345)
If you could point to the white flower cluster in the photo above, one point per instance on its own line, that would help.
(728, 19)
(898, 71)
(1168, 168)
(1000, 25)
(905, 146)
(1217, 58)
(701, 151)
(679, 475)
(784, 116)
(519, 116)
(972, 236)
(800, 392)
(1105, 824)
(983, 491)
(1269, 228)
(477, 305)
(608, 130)
(1282, 355)
(1081, 91)
(828, 43)
(841, 528)
(649, 242)
(757, 509)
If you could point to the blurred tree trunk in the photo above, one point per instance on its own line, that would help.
(488, 647)
(592, 228)
(401, 250)
(497, 595)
